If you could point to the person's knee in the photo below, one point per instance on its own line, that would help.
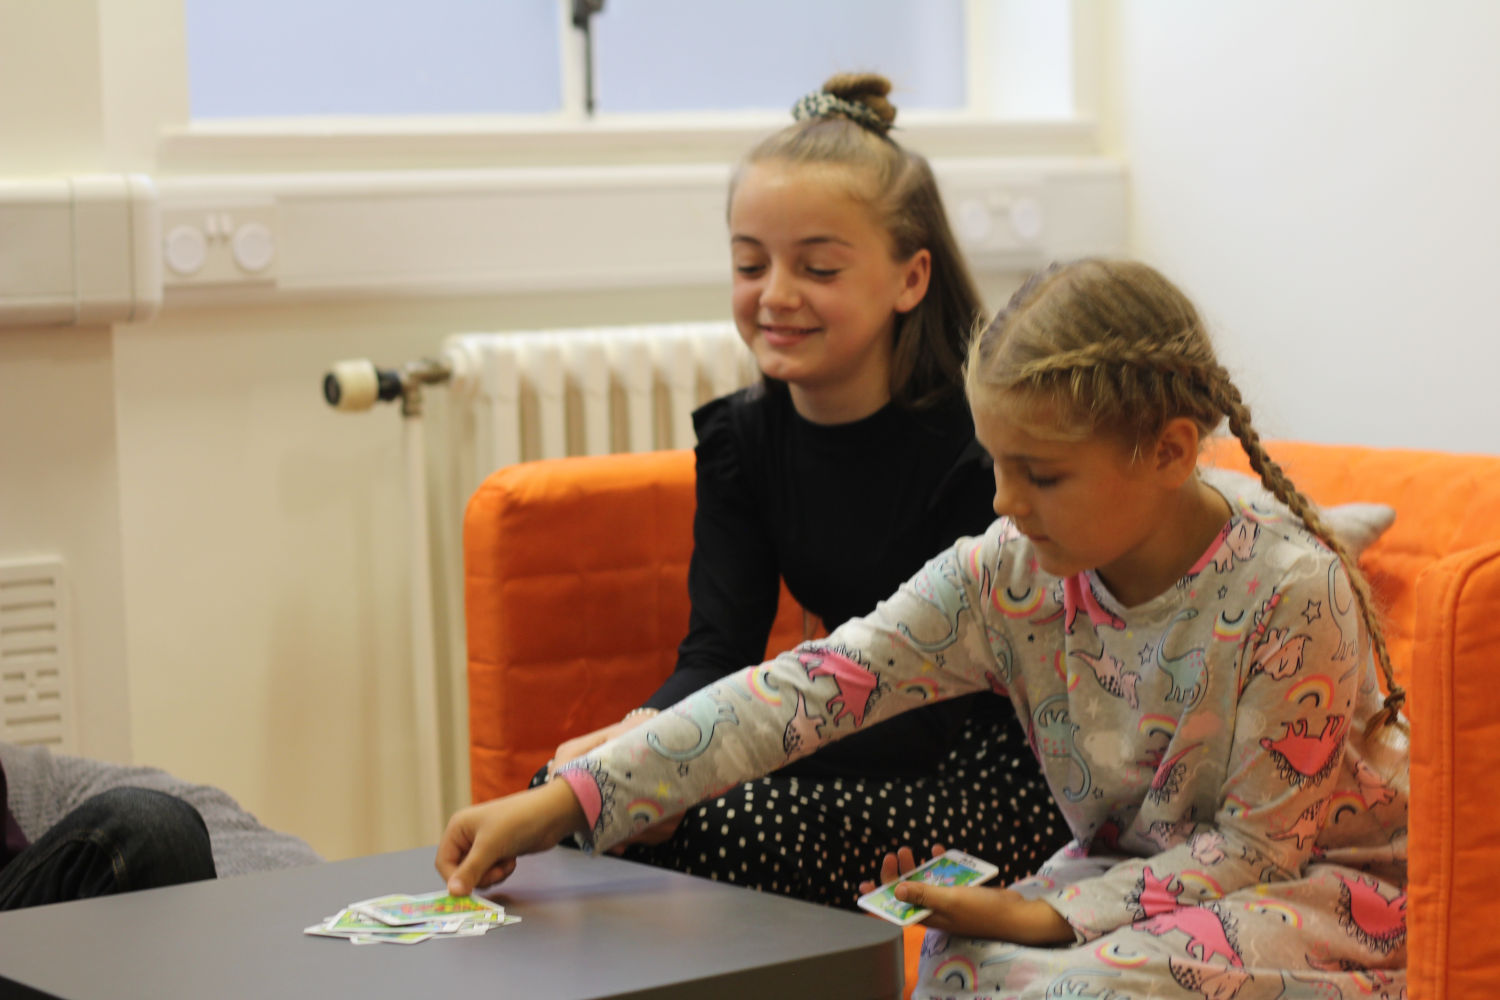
(163, 838)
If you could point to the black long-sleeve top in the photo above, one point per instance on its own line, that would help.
(846, 514)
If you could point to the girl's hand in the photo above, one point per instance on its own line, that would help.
(982, 912)
(481, 843)
(975, 911)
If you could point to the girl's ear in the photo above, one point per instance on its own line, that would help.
(916, 273)
(1175, 455)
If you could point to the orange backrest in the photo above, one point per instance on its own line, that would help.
(575, 590)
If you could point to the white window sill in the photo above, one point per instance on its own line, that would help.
(311, 144)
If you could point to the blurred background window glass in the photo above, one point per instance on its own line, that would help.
(691, 55)
(286, 58)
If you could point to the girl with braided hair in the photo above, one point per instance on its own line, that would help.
(1196, 668)
(852, 295)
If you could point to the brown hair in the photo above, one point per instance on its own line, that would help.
(1120, 350)
(898, 187)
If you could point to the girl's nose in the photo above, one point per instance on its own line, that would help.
(1009, 501)
(780, 290)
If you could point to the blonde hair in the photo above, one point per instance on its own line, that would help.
(897, 185)
(1114, 348)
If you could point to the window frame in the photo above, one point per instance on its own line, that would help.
(571, 137)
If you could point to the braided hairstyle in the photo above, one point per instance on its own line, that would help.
(899, 188)
(1117, 349)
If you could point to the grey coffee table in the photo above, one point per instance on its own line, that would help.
(591, 927)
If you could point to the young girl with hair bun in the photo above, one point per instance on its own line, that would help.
(851, 463)
(1197, 669)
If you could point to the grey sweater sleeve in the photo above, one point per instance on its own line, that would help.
(44, 787)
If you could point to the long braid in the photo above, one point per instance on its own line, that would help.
(1228, 399)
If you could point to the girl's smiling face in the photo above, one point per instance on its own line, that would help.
(816, 290)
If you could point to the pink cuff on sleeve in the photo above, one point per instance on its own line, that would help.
(587, 790)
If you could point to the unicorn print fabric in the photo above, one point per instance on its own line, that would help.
(1236, 834)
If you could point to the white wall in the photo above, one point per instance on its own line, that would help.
(1321, 178)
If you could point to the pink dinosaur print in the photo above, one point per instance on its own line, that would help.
(1109, 671)
(1078, 594)
(1303, 758)
(1239, 543)
(1208, 932)
(1379, 923)
(1168, 777)
(1372, 790)
(856, 682)
(802, 730)
(1215, 982)
(1278, 655)
(1306, 826)
(1273, 652)
(1155, 896)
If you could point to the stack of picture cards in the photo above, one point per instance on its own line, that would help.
(402, 919)
(951, 868)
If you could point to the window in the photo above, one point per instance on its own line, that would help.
(288, 59)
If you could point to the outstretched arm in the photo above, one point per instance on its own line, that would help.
(924, 644)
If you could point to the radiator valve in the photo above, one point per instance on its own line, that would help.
(358, 385)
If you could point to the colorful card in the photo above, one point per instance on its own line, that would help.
(948, 868)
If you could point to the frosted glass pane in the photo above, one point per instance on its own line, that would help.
(372, 57)
(692, 55)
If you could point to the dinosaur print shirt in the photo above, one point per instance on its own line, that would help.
(1204, 742)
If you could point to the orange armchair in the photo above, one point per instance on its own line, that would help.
(576, 597)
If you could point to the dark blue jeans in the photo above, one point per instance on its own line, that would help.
(117, 841)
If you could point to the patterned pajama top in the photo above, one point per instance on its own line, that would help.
(1236, 832)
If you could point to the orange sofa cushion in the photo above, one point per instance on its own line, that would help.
(576, 600)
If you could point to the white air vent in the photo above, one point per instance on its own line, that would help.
(36, 657)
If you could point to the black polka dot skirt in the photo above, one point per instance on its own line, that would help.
(817, 839)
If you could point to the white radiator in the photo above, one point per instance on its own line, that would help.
(550, 393)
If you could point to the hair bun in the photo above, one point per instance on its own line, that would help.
(860, 97)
